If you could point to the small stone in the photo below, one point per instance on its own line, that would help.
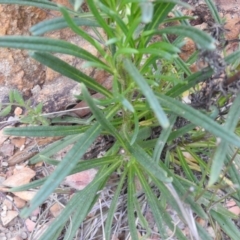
(30, 225)
(3, 213)
(7, 149)
(4, 208)
(34, 218)
(24, 235)
(56, 209)
(9, 217)
(18, 111)
(19, 203)
(18, 142)
(4, 164)
(8, 235)
(8, 204)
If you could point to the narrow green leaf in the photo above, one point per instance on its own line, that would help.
(44, 44)
(171, 202)
(233, 57)
(101, 118)
(77, 4)
(190, 82)
(181, 131)
(222, 149)
(157, 52)
(233, 170)
(136, 129)
(5, 111)
(36, 3)
(11, 96)
(214, 11)
(188, 172)
(45, 131)
(182, 190)
(203, 233)
(115, 16)
(163, 139)
(51, 149)
(153, 203)
(148, 164)
(60, 23)
(204, 40)
(226, 224)
(100, 20)
(199, 119)
(18, 97)
(130, 203)
(66, 70)
(161, 10)
(165, 46)
(147, 91)
(81, 32)
(113, 206)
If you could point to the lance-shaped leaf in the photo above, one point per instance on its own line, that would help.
(198, 118)
(44, 44)
(147, 91)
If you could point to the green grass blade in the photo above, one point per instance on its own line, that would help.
(44, 44)
(233, 171)
(99, 19)
(148, 164)
(60, 23)
(147, 91)
(45, 131)
(34, 184)
(222, 149)
(171, 202)
(188, 172)
(113, 206)
(131, 191)
(204, 40)
(81, 32)
(226, 225)
(233, 57)
(199, 119)
(35, 3)
(181, 190)
(203, 233)
(181, 131)
(55, 147)
(153, 203)
(66, 70)
(101, 118)
(64, 168)
(214, 11)
(161, 10)
(190, 82)
(163, 139)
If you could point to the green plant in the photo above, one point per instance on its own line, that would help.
(33, 114)
(148, 81)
